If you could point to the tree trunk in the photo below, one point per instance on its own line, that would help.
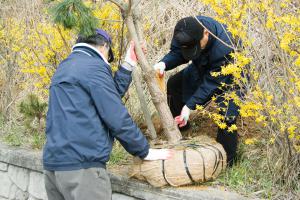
(158, 97)
(143, 103)
(136, 77)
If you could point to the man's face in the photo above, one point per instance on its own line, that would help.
(204, 40)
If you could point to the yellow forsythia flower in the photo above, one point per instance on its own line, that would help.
(232, 128)
(250, 141)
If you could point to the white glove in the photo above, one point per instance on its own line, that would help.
(130, 57)
(183, 118)
(159, 154)
(160, 67)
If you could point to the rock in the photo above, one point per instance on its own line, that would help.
(141, 190)
(19, 176)
(118, 196)
(36, 185)
(17, 194)
(5, 183)
(25, 158)
(21, 195)
(32, 198)
(3, 166)
(12, 191)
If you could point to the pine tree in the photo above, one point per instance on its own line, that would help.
(32, 108)
(73, 14)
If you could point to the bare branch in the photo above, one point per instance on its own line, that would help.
(121, 4)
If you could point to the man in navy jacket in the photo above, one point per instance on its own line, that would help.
(195, 40)
(85, 115)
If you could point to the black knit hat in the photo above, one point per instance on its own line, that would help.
(188, 33)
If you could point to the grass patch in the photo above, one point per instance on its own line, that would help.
(12, 134)
(118, 155)
(13, 139)
(247, 179)
(250, 175)
(19, 138)
(15, 134)
(37, 140)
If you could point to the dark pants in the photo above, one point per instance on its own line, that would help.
(229, 140)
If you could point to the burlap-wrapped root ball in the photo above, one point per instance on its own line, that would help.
(192, 163)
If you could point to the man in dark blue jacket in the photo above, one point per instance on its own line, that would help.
(85, 114)
(201, 41)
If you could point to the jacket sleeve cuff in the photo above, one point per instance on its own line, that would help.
(144, 153)
(125, 69)
(191, 105)
(166, 63)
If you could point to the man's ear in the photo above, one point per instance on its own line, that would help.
(103, 50)
(205, 33)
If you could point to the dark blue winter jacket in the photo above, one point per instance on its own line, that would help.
(198, 84)
(86, 113)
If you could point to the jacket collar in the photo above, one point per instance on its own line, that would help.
(89, 50)
(210, 41)
(208, 24)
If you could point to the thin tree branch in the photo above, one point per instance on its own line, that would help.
(121, 4)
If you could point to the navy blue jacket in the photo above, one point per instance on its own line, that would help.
(86, 113)
(198, 84)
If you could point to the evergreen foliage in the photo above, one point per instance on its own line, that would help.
(32, 109)
(74, 14)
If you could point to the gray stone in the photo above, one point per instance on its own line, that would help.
(25, 158)
(32, 198)
(142, 190)
(19, 176)
(2, 198)
(12, 191)
(118, 196)
(36, 185)
(21, 195)
(3, 166)
(5, 183)
(17, 194)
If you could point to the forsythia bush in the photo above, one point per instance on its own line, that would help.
(270, 57)
(41, 45)
(51, 44)
(110, 19)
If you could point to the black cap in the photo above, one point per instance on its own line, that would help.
(188, 33)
